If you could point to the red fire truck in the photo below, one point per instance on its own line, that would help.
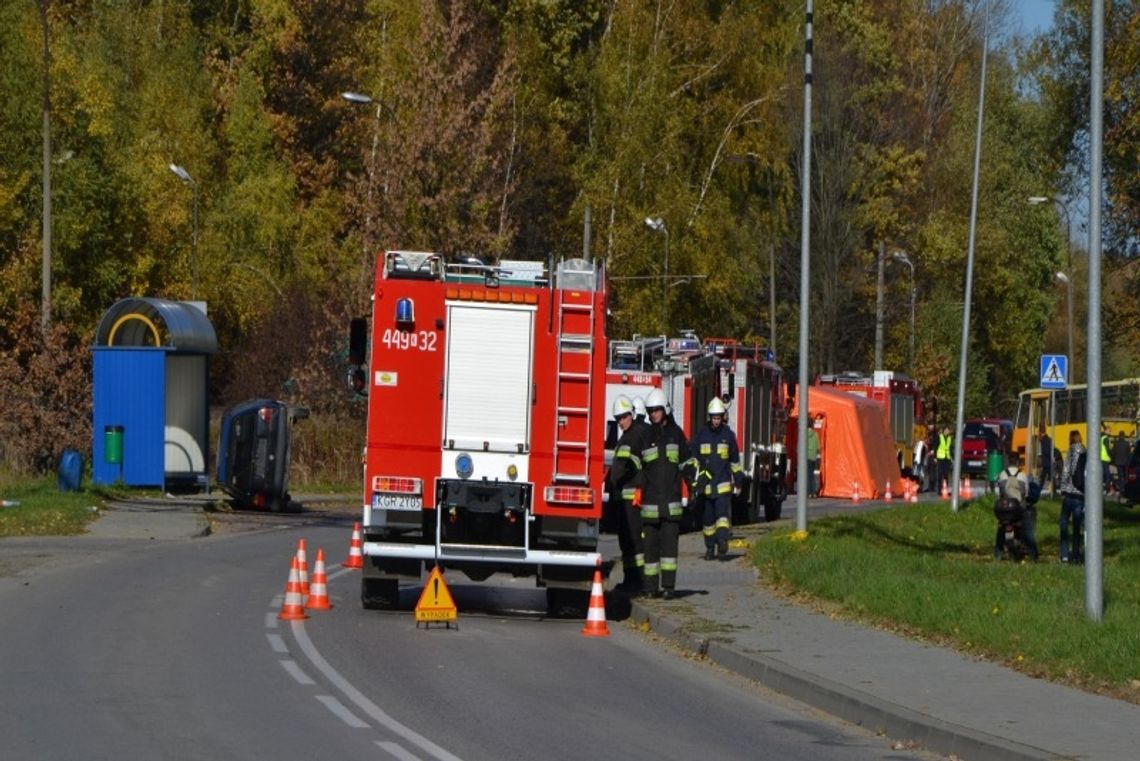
(691, 372)
(901, 398)
(483, 453)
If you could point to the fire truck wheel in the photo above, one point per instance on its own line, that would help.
(567, 603)
(379, 594)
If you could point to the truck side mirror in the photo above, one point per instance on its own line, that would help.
(357, 340)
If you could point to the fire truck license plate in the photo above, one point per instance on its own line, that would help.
(397, 501)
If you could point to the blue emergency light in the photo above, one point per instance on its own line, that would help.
(405, 311)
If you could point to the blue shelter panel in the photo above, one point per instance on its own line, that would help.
(129, 387)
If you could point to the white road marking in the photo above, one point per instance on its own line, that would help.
(369, 708)
(397, 751)
(295, 671)
(277, 642)
(345, 715)
(271, 617)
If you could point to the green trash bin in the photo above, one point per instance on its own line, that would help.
(113, 444)
(995, 461)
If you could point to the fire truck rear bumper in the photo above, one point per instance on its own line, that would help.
(476, 553)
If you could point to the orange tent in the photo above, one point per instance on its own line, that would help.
(855, 444)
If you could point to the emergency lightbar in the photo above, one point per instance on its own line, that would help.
(478, 294)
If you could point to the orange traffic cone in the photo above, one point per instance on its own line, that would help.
(913, 493)
(969, 488)
(906, 490)
(319, 590)
(945, 490)
(303, 566)
(355, 550)
(854, 491)
(293, 608)
(887, 494)
(596, 613)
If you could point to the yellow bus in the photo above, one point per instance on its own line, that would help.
(1061, 411)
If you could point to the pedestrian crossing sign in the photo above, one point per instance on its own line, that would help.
(1054, 370)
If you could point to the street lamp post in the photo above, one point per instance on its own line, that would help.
(185, 176)
(1061, 276)
(1036, 200)
(657, 225)
(901, 256)
(364, 100)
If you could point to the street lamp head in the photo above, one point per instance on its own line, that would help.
(655, 224)
(902, 257)
(1035, 200)
(356, 97)
(1062, 277)
(182, 173)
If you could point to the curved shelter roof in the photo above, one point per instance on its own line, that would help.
(158, 323)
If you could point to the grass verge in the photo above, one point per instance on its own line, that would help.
(926, 571)
(41, 509)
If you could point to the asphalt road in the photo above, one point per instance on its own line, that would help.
(172, 650)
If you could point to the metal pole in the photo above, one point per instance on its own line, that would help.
(772, 297)
(194, 249)
(45, 296)
(879, 307)
(1094, 494)
(1069, 286)
(970, 269)
(910, 352)
(805, 280)
(665, 282)
(586, 235)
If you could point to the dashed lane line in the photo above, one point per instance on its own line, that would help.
(341, 712)
(362, 702)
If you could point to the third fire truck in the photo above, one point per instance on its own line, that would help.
(691, 372)
(483, 451)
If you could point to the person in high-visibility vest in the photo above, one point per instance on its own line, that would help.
(665, 459)
(1105, 460)
(945, 455)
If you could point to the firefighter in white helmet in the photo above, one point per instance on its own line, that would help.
(718, 478)
(625, 482)
(665, 460)
(638, 409)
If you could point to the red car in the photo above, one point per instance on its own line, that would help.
(978, 437)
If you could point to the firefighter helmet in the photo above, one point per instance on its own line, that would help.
(716, 407)
(638, 407)
(622, 406)
(655, 399)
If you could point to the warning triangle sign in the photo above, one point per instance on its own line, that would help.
(1053, 373)
(435, 603)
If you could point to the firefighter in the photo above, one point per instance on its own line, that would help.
(718, 478)
(639, 411)
(625, 481)
(665, 460)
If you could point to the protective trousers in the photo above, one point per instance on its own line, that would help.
(631, 542)
(715, 522)
(661, 536)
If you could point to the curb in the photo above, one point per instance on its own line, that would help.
(840, 701)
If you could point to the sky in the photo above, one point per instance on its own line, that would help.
(1036, 15)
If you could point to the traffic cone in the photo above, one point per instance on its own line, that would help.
(854, 491)
(945, 490)
(293, 608)
(914, 493)
(355, 550)
(319, 590)
(969, 488)
(303, 566)
(887, 493)
(596, 613)
(906, 490)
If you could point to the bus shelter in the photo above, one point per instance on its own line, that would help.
(150, 412)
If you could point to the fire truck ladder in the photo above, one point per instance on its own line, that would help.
(575, 362)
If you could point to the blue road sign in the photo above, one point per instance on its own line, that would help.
(1054, 370)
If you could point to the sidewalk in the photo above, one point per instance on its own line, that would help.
(946, 702)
